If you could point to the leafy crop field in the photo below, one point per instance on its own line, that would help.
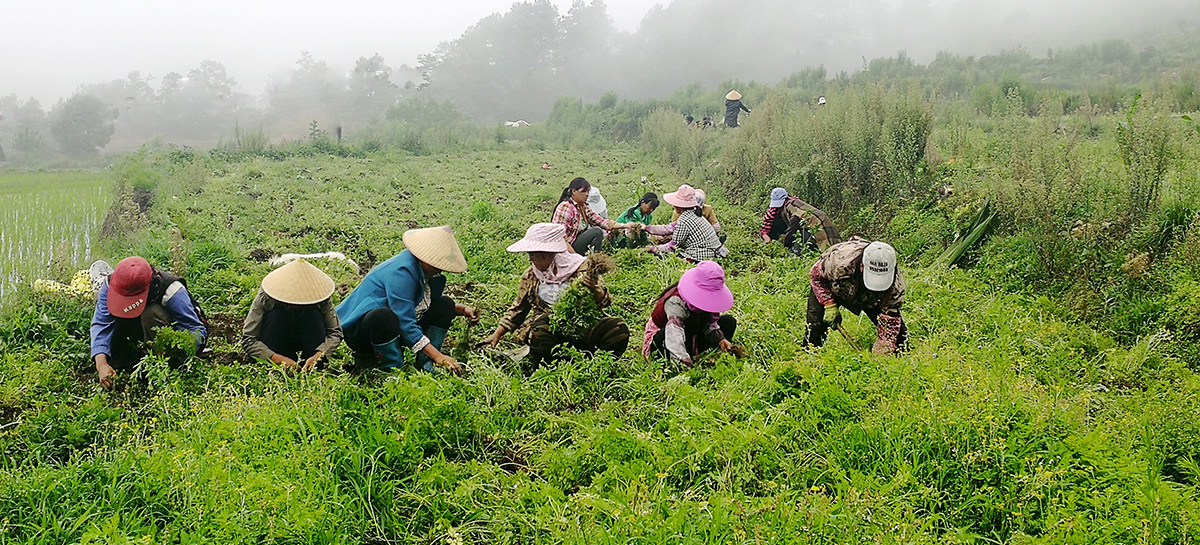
(48, 217)
(1008, 422)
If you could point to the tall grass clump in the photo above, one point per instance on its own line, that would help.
(1143, 139)
(866, 147)
(683, 147)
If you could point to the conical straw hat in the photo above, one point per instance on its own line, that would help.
(298, 283)
(733, 95)
(436, 247)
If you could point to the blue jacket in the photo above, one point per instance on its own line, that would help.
(179, 308)
(398, 284)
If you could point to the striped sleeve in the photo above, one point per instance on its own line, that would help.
(768, 221)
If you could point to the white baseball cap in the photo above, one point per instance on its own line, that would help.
(879, 266)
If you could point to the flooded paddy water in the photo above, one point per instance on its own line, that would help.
(48, 217)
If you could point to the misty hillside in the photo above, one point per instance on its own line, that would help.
(516, 64)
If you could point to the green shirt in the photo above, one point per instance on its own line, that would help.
(635, 215)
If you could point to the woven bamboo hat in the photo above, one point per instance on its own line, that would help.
(733, 95)
(436, 247)
(298, 283)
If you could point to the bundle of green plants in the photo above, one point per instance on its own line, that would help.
(969, 237)
(576, 309)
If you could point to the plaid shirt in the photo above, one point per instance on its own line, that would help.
(695, 239)
(576, 218)
(707, 212)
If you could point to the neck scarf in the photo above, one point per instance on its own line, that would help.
(565, 264)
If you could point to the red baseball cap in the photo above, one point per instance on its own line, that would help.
(128, 287)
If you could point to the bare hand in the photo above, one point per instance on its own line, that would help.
(766, 238)
(725, 345)
(471, 314)
(490, 342)
(288, 365)
(449, 364)
(311, 362)
(106, 372)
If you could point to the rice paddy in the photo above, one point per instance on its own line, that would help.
(48, 218)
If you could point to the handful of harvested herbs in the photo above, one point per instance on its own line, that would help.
(576, 309)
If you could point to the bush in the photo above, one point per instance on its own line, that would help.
(684, 148)
(866, 147)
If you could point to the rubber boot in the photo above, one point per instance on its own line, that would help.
(608, 335)
(436, 336)
(389, 355)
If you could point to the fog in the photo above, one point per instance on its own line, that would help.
(52, 47)
(348, 61)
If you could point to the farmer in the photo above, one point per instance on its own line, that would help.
(861, 276)
(551, 272)
(596, 202)
(641, 213)
(687, 320)
(692, 237)
(733, 103)
(292, 318)
(663, 233)
(132, 304)
(800, 225)
(400, 304)
(584, 227)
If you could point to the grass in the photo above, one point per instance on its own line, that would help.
(1007, 422)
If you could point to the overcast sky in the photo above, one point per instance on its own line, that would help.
(50, 47)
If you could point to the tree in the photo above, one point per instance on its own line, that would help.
(503, 66)
(311, 91)
(82, 124)
(585, 60)
(371, 87)
(24, 124)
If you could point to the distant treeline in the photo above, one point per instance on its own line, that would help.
(569, 72)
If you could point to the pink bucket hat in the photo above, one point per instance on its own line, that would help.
(685, 197)
(704, 287)
(542, 237)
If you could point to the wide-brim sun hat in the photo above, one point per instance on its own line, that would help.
(128, 287)
(436, 247)
(733, 95)
(703, 287)
(542, 237)
(779, 196)
(701, 197)
(298, 283)
(685, 197)
(879, 266)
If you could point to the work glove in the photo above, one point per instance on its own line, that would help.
(833, 315)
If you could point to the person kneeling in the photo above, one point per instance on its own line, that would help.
(687, 320)
(400, 304)
(693, 238)
(292, 318)
(131, 305)
(639, 215)
(552, 272)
